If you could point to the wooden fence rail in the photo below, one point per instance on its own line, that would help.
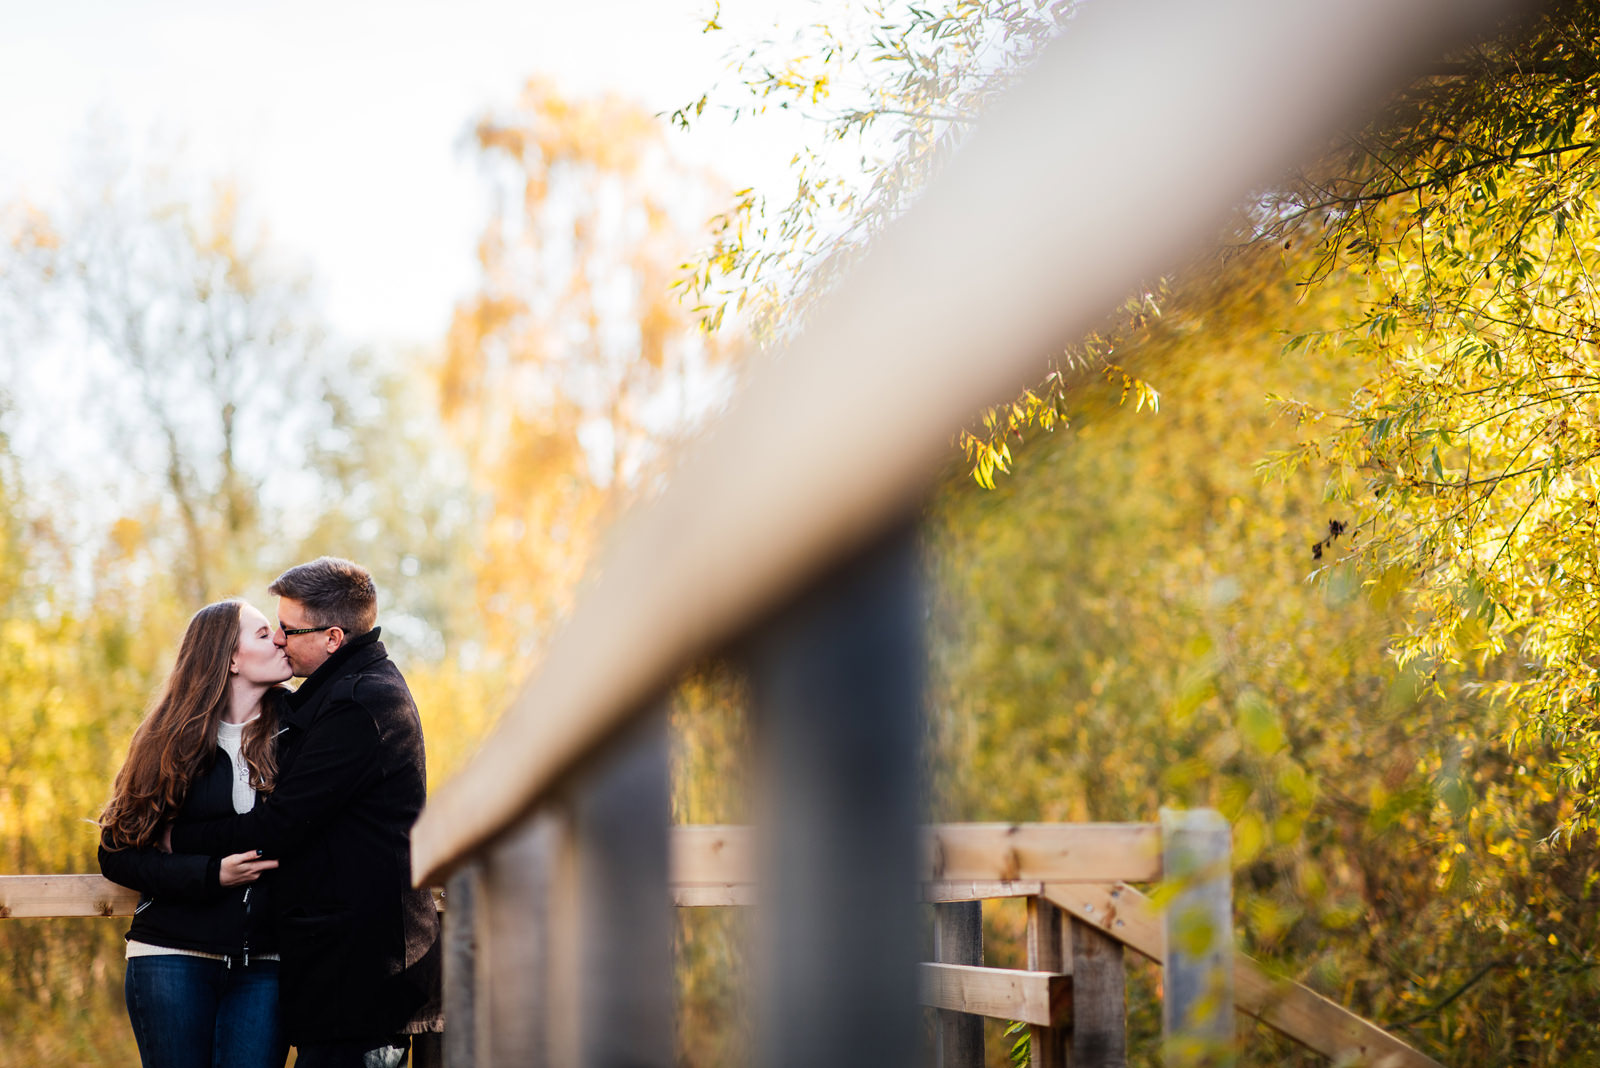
(1081, 913)
(784, 538)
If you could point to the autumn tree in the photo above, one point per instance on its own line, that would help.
(1468, 456)
(575, 364)
(200, 356)
(187, 430)
(891, 90)
(1373, 654)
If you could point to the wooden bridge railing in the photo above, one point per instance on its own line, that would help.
(784, 539)
(1081, 913)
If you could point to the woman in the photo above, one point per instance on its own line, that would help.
(202, 976)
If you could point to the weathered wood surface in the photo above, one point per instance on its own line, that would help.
(1236, 89)
(624, 921)
(518, 1006)
(1002, 993)
(958, 939)
(978, 889)
(1119, 910)
(1197, 939)
(1099, 999)
(1282, 1004)
(1004, 852)
(31, 896)
(710, 854)
(66, 896)
(721, 894)
(1048, 951)
(460, 968)
(960, 861)
(835, 684)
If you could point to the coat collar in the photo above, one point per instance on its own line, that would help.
(353, 656)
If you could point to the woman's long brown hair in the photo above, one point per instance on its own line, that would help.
(178, 738)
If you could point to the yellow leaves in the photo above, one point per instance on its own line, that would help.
(576, 364)
(1142, 392)
(31, 231)
(1270, 919)
(127, 535)
(1249, 839)
(1258, 723)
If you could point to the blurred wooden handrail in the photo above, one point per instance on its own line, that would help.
(52, 896)
(714, 864)
(986, 855)
(1124, 148)
(711, 866)
(67, 896)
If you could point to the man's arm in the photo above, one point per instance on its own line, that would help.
(338, 758)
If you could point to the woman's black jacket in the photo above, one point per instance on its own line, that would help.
(182, 905)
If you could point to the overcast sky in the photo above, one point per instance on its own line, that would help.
(345, 118)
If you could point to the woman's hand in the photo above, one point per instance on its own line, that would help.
(241, 868)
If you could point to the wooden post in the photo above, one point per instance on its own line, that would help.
(1099, 999)
(621, 816)
(958, 939)
(836, 686)
(573, 924)
(1047, 952)
(460, 968)
(1197, 934)
(513, 1015)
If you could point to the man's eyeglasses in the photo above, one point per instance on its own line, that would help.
(289, 632)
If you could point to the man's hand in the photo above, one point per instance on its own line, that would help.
(241, 868)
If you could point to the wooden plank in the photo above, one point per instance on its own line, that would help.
(1010, 859)
(1099, 999)
(714, 865)
(514, 1017)
(958, 939)
(712, 854)
(1047, 952)
(978, 890)
(621, 810)
(836, 715)
(461, 969)
(1005, 852)
(764, 502)
(713, 895)
(703, 895)
(1002, 993)
(1282, 1004)
(35, 896)
(1197, 939)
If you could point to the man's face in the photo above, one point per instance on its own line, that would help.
(306, 651)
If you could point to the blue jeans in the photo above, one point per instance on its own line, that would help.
(192, 1012)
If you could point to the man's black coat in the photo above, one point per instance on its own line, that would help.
(360, 947)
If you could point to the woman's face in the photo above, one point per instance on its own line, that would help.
(256, 659)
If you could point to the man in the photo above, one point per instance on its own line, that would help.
(360, 953)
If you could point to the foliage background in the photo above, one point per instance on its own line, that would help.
(1309, 537)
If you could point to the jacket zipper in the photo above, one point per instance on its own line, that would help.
(247, 925)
